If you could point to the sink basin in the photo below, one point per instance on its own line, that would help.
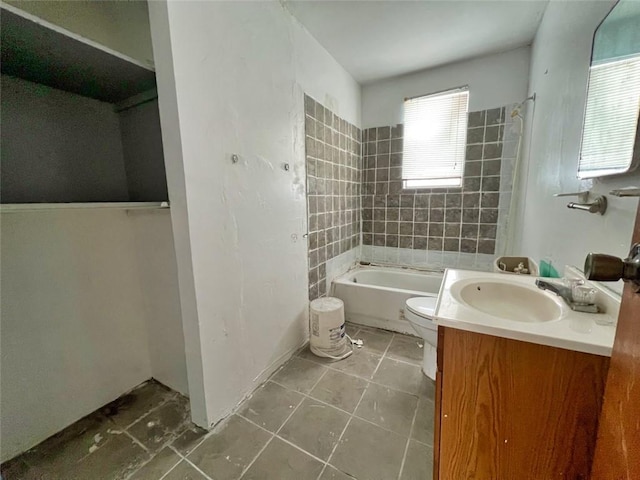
(510, 301)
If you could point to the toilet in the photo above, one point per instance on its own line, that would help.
(419, 311)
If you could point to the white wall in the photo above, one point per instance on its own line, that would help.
(494, 81)
(73, 328)
(559, 72)
(231, 77)
(120, 25)
(59, 146)
(90, 300)
(142, 151)
(158, 276)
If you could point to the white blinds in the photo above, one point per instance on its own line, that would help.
(435, 134)
(611, 118)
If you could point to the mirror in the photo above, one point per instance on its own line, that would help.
(613, 97)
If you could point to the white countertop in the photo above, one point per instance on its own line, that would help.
(573, 330)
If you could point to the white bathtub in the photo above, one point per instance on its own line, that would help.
(376, 296)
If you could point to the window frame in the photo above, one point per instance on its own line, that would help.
(634, 159)
(438, 183)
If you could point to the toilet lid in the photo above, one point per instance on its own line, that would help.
(423, 306)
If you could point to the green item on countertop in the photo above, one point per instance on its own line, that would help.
(547, 270)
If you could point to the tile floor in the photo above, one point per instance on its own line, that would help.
(367, 417)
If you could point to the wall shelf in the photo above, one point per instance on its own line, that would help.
(40, 52)
(39, 207)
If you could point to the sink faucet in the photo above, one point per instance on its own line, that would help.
(565, 293)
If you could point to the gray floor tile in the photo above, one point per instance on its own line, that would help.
(331, 473)
(164, 461)
(399, 376)
(96, 446)
(427, 388)
(380, 331)
(15, 469)
(315, 427)
(307, 354)
(84, 445)
(406, 348)
(71, 444)
(226, 453)
(184, 471)
(189, 439)
(137, 403)
(162, 424)
(367, 452)
(339, 389)
(270, 405)
(116, 459)
(281, 461)
(388, 408)
(374, 342)
(360, 363)
(351, 328)
(425, 418)
(419, 462)
(299, 374)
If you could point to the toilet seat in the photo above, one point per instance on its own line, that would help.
(421, 310)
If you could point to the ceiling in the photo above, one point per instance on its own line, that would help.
(379, 39)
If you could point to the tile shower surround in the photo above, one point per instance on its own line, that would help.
(454, 219)
(334, 166)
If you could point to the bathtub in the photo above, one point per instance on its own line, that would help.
(376, 296)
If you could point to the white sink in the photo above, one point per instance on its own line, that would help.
(511, 306)
(510, 301)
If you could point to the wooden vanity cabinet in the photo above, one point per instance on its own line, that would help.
(507, 409)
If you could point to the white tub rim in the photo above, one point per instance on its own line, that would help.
(344, 278)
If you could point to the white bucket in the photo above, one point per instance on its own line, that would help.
(327, 330)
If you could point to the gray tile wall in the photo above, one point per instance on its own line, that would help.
(446, 219)
(334, 165)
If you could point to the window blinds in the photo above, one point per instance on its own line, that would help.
(611, 118)
(435, 135)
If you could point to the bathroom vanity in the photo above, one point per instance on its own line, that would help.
(516, 396)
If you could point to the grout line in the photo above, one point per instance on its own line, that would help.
(197, 468)
(172, 468)
(276, 435)
(273, 435)
(135, 440)
(353, 415)
(406, 448)
(305, 396)
(328, 364)
(167, 444)
(382, 357)
(171, 397)
(335, 447)
(301, 402)
(184, 457)
(198, 443)
(131, 474)
(246, 469)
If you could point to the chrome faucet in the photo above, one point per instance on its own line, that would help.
(565, 293)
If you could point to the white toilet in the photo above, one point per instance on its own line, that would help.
(420, 311)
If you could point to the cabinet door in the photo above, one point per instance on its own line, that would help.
(513, 409)
(438, 399)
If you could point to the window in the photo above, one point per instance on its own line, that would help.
(611, 118)
(435, 134)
